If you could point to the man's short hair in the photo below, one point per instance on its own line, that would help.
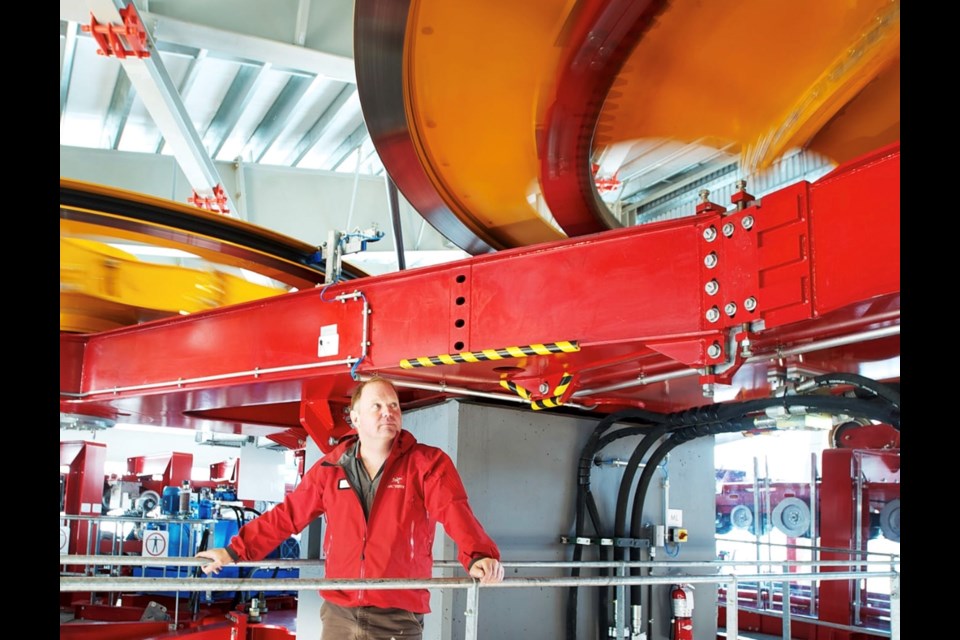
(355, 396)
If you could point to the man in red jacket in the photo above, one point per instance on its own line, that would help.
(382, 493)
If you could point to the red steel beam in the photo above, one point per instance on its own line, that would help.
(818, 260)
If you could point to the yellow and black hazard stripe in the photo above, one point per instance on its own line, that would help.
(557, 398)
(517, 389)
(554, 400)
(565, 381)
(546, 403)
(566, 346)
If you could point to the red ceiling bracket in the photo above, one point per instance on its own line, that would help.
(741, 199)
(322, 424)
(217, 203)
(706, 206)
(605, 184)
(127, 39)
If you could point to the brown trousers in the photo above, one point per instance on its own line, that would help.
(369, 623)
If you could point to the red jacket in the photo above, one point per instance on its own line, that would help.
(419, 487)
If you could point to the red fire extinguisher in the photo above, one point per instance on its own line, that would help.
(681, 601)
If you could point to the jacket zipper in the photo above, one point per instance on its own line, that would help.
(361, 593)
(366, 525)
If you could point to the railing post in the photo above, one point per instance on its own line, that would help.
(472, 612)
(858, 537)
(90, 569)
(814, 533)
(785, 604)
(733, 611)
(895, 605)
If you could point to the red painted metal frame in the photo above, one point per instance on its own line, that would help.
(880, 471)
(83, 490)
(229, 626)
(821, 261)
(112, 630)
(174, 467)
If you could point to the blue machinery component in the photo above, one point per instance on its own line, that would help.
(185, 535)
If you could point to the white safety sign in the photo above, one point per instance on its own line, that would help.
(156, 544)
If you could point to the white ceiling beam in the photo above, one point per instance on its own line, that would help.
(66, 63)
(159, 95)
(303, 17)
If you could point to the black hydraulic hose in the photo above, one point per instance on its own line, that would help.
(575, 571)
(724, 422)
(879, 389)
(666, 424)
(580, 525)
(625, 553)
(726, 418)
(873, 409)
(590, 505)
(622, 433)
(195, 596)
(238, 514)
(629, 473)
(604, 553)
(585, 501)
(675, 439)
(639, 499)
(696, 422)
(732, 417)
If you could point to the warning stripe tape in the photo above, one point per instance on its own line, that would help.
(544, 403)
(565, 346)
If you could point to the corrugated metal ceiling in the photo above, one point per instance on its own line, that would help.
(246, 97)
(271, 83)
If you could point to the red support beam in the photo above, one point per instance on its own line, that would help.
(676, 298)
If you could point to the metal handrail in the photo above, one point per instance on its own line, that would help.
(718, 572)
(191, 561)
(719, 577)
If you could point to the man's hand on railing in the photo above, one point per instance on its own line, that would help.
(220, 557)
(487, 571)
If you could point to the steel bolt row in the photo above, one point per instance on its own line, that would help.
(713, 313)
